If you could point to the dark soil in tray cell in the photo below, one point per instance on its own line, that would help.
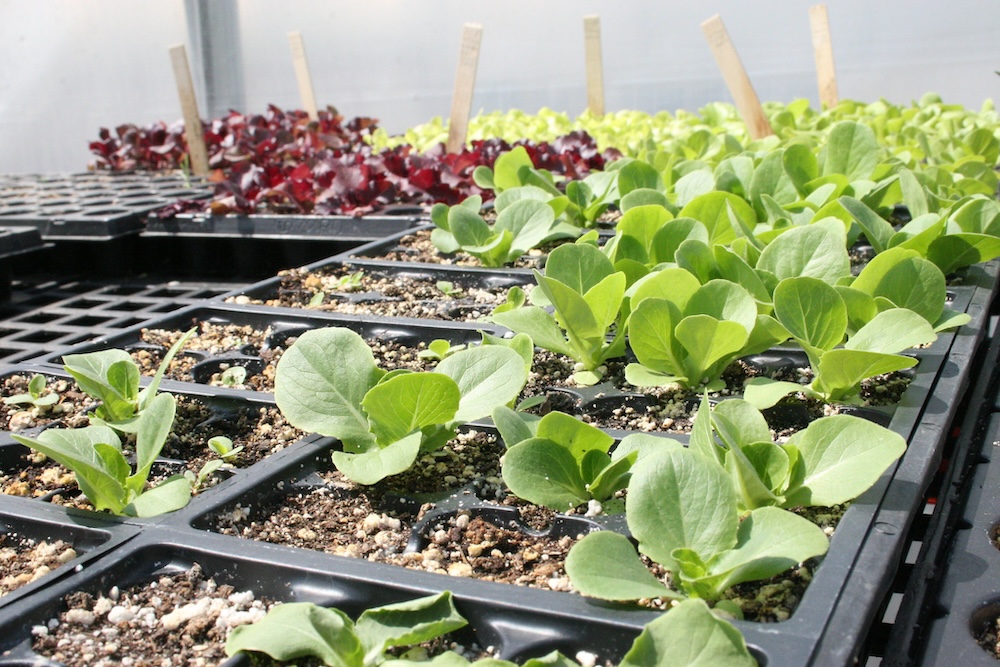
(24, 559)
(417, 247)
(260, 430)
(256, 350)
(185, 612)
(383, 293)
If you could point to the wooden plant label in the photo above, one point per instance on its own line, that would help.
(189, 106)
(595, 73)
(736, 78)
(826, 74)
(302, 75)
(465, 84)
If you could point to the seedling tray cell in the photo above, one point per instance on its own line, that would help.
(282, 227)
(88, 537)
(14, 242)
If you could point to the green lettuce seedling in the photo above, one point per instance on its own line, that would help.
(816, 317)
(560, 462)
(833, 460)
(36, 395)
(684, 512)
(298, 630)
(94, 454)
(328, 382)
(586, 293)
(522, 225)
(112, 377)
(687, 333)
(513, 169)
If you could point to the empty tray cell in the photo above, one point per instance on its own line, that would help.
(84, 304)
(87, 321)
(123, 290)
(38, 317)
(127, 305)
(39, 336)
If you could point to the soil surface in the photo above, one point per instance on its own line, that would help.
(463, 299)
(417, 247)
(70, 409)
(22, 559)
(185, 611)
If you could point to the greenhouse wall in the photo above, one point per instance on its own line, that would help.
(72, 68)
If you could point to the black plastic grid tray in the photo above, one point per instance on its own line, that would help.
(90, 206)
(44, 315)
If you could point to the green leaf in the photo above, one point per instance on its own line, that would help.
(155, 425)
(638, 174)
(605, 299)
(677, 499)
(708, 342)
(405, 623)
(841, 371)
(321, 380)
(530, 223)
(851, 150)
(545, 473)
(468, 228)
(763, 393)
(757, 472)
(377, 463)
(954, 251)
(877, 230)
(812, 312)
(669, 237)
(514, 426)
(740, 422)
(169, 495)
(487, 377)
(724, 300)
(576, 436)
(689, 635)
(770, 541)
(818, 250)
(605, 565)
(651, 326)
(674, 285)
(539, 325)
(407, 403)
(892, 331)
(905, 279)
(613, 476)
(713, 210)
(77, 450)
(298, 630)
(91, 371)
(509, 166)
(578, 266)
(843, 456)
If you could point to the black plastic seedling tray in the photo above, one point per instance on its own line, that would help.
(90, 206)
(44, 315)
(15, 242)
(969, 596)
(256, 246)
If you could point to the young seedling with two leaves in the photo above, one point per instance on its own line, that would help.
(36, 395)
(832, 461)
(559, 462)
(816, 317)
(328, 383)
(297, 630)
(586, 295)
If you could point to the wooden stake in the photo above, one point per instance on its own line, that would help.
(595, 73)
(197, 152)
(826, 73)
(465, 84)
(736, 78)
(302, 75)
